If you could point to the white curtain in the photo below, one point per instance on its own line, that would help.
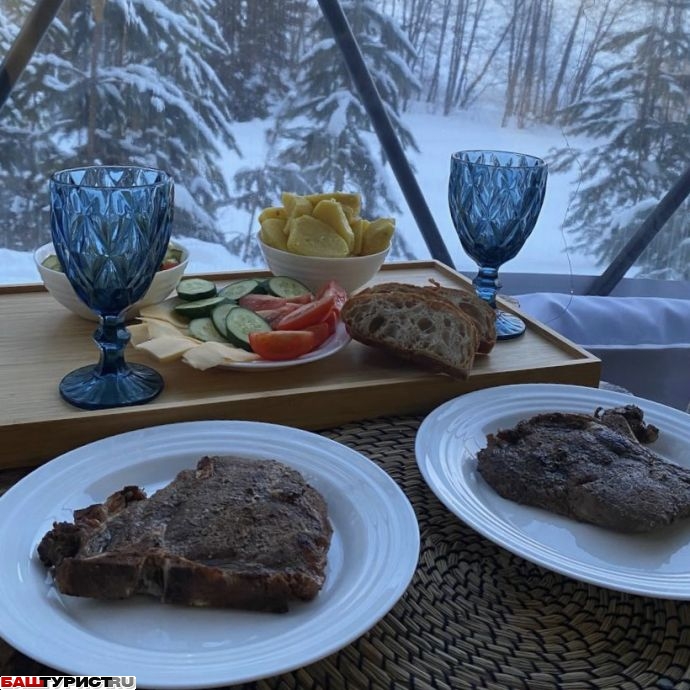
(643, 342)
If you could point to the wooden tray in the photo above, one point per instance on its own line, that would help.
(40, 341)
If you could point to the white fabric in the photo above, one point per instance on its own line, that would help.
(643, 342)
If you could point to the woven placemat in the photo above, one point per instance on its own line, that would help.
(476, 616)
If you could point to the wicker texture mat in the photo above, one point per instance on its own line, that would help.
(475, 616)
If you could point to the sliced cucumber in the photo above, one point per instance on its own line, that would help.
(240, 322)
(240, 288)
(219, 314)
(193, 289)
(199, 308)
(282, 286)
(203, 329)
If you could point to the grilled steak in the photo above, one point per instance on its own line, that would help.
(231, 533)
(592, 468)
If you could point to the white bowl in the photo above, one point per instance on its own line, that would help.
(350, 272)
(164, 282)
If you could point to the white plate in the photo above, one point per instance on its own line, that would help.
(655, 564)
(373, 555)
(334, 344)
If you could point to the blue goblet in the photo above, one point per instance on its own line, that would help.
(495, 198)
(110, 226)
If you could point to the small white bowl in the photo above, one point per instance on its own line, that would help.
(350, 272)
(164, 282)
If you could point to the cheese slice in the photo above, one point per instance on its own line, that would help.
(168, 348)
(157, 329)
(164, 311)
(211, 354)
(139, 333)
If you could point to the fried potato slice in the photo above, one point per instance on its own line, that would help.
(359, 227)
(273, 212)
(331, 212)
(296, 205)
(351, 201)
(273, 233)
(378, 236)
(275, 224)
(312, 237)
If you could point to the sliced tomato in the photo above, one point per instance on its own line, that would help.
(275, 315)
(338, 292)
(169, 264)
(321, 331)
(281, 345)
(307, 314)
(301, 299)
(332, 321)
(260, 302)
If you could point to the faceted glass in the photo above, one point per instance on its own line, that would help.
(495, 198)
(111, 226)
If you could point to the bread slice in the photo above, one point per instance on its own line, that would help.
(232, 532)
(477, 309)
(415, 326)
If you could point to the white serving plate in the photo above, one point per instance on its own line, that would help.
(655, 564)
(373, 555)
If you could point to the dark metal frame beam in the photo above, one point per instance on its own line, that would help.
(25, 45)
(649, 229)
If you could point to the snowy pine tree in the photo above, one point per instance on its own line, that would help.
(123, 83)
(24, 120)
(638, 110)
(263, 40)
(323, 139)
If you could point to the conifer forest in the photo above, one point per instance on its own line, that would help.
(166, 83)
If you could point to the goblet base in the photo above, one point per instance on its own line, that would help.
(508, 325)
(87, 388)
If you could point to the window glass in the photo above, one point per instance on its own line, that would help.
(600, 90)
(242, 100)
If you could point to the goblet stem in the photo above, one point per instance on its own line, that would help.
(111, 337)
(112, 382)
(486, 284)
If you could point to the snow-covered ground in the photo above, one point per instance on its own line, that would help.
(437, 137)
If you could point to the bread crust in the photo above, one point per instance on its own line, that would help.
(414, 325)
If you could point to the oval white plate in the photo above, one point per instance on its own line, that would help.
(373, 555)
(655, 564)
(334, 344)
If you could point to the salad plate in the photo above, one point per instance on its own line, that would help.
(372, 557)
(655, 564)
(334, 344)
